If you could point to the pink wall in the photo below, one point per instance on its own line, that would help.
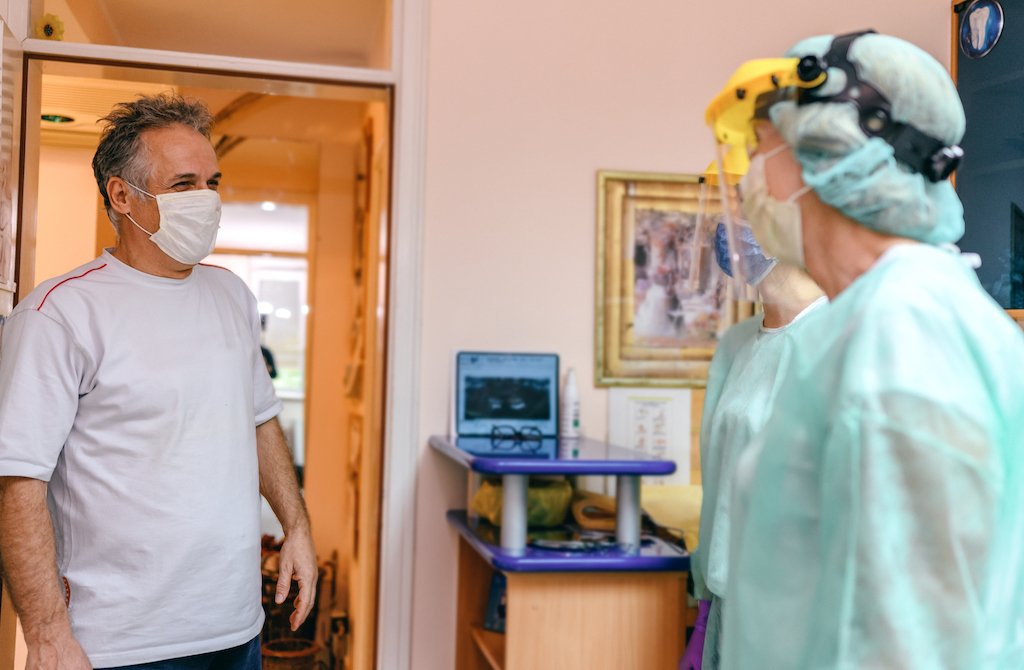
(526, 102)
(66, 221)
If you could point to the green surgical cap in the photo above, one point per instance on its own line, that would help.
(859, 175)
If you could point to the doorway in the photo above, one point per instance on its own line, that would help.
(306, 184)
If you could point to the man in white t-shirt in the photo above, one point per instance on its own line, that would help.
(138, 429)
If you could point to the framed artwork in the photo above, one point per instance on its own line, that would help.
(662, 301)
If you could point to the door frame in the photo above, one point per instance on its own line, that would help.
(407, 79)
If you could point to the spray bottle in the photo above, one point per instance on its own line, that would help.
(570, 410)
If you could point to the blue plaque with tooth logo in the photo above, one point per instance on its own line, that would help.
(980, 27)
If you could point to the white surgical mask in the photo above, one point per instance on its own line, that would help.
(776, 223)
(189, 221)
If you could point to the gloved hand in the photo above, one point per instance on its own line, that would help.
(694, 656)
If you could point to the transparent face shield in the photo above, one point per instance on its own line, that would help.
(731, 232)
(730, 116)
(750, 92)
(736, 254)
(709, 237)
(754, 277)
(698, 252)
(702, 250)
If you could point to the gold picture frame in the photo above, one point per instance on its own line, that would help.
(662, 301)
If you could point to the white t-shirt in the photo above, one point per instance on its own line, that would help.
(137, 398)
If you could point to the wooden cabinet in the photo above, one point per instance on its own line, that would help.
(570, 621)
(620, 606)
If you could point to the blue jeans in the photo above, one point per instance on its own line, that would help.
(243, 657)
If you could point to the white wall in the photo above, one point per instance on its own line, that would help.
(527, 101)
(15, 15)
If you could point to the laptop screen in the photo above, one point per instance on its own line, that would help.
(506, 390)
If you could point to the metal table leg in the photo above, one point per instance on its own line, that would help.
(627, 512)
(513, 513)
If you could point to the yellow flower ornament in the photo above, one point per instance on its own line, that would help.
(50, 27)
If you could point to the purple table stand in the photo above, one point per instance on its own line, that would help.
(514, 463)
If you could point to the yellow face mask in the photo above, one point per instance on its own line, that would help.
(777, 224)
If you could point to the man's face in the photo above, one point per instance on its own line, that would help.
(180, 160)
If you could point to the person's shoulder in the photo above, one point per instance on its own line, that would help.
(52, 294)
(218, 274)
(224, 280)
(213, 270)
(804, 324)
(913, 283)
(740, 333)
(927, 321)
(933, 287)
(731, 345)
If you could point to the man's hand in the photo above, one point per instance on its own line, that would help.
(30, 572)
(298, 562)
(57, 652)
(278, 485)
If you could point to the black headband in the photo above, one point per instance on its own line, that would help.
(921, 152)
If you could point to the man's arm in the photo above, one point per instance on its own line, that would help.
(30, 571)
(279, 486)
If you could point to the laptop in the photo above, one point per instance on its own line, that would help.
(514, 395)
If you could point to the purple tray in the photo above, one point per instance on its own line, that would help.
(655, 555)
(549, 457)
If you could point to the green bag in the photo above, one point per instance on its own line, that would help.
(547, 501)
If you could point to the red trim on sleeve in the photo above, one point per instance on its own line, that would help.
(43, 301)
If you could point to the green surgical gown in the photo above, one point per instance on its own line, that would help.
(883, 523)
(742, 382)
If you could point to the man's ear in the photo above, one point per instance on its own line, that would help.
(118, 193)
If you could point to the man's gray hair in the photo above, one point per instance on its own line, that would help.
(121, 153)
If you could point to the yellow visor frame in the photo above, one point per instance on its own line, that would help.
(736, 164)
(731, 112)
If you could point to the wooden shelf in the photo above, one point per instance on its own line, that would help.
(655, 555)
(492, 646)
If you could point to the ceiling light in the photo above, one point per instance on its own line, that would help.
(57, 118)
(268, 206)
